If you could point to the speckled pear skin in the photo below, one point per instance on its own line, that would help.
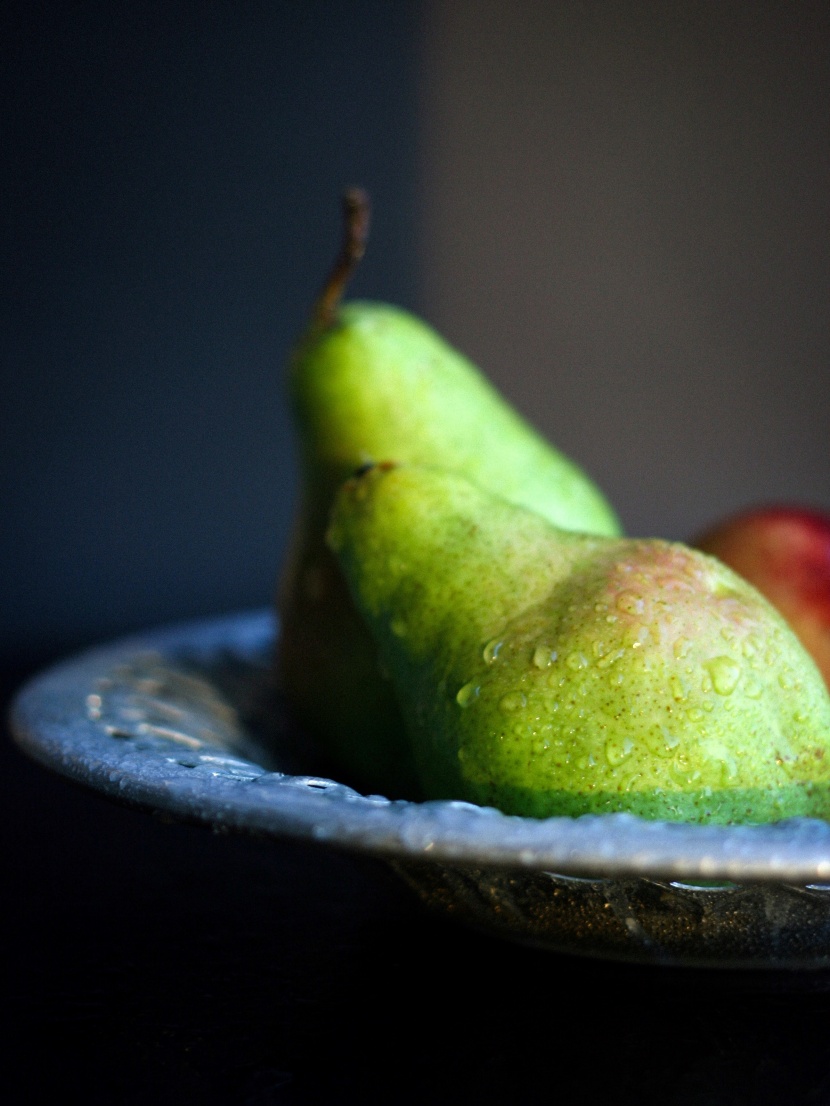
(377, 382)
(546, 672)
(381, 384)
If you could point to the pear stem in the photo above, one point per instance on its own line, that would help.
(353, 246)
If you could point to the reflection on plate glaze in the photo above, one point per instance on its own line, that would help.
(149, 699)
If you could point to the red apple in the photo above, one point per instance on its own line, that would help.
(785, 552)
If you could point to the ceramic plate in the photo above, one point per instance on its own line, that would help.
(183, 720)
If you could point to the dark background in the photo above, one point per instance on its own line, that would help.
(171, 176)
(172, 179)
(619, 209)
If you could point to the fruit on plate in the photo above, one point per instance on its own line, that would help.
(369, 381)
(549, 672)
(784, 550)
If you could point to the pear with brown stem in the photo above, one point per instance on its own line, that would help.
(370, 381)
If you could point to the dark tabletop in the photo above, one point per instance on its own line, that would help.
(153, 962)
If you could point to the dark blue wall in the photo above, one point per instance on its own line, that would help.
(172, 176)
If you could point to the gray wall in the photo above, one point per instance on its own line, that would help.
(171, 183)
(626, 221)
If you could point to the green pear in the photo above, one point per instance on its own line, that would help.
(546, 672)
(369, 381)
